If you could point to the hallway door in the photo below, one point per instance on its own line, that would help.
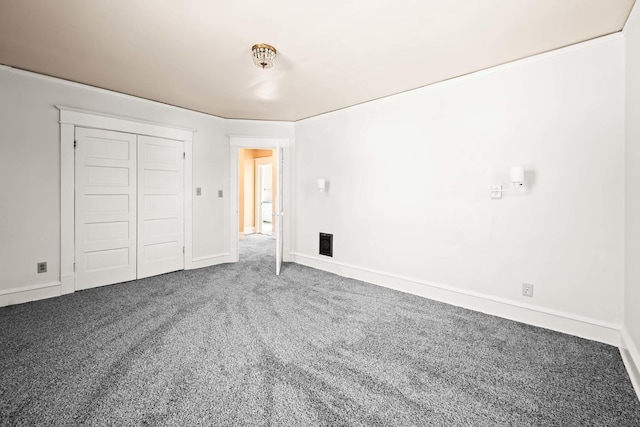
(279, 212)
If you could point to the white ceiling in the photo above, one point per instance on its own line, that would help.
(331, 54)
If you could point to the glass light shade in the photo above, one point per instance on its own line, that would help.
(517, 175)
(263, 55)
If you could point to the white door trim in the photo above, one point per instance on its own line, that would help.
(237, 142)
(72, 117)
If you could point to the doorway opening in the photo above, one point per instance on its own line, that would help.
(258, 192)
(242, 150)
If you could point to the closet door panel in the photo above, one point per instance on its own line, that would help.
(160, 206)
(106, 209)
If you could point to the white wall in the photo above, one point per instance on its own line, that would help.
(30, 169)
(409, 178)
(260, 129)
(632, 264)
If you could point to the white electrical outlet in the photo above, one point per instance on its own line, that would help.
(527, 289)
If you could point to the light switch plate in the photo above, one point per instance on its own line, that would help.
(198, 191)
(496, 191)
(220, 193)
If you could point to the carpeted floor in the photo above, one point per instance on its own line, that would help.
(234, 345)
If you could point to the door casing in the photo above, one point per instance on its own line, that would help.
(237, 142)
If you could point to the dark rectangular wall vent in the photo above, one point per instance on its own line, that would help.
(326, 244)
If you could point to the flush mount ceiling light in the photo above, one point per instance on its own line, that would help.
(263, 55)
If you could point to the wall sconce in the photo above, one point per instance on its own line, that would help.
(322, 185)
(517, 180)
(517, 176)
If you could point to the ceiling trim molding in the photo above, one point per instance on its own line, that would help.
(77, 85)
(634, 15)
(478, 73)
(533, 58)
(632, 19)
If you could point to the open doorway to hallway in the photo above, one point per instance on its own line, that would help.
(257, 188)
(243, 148)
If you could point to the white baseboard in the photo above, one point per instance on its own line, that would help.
(67, 284)
(631, 358)
(208, 261)
(249, 230)
(29, 293)
(24, 294)
(538, 316)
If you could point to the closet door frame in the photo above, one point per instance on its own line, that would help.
(72, 117)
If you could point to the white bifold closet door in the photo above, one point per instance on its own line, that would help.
(129, 212)
(106, 220)
(160, 206)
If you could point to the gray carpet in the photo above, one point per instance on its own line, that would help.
(234, 345)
